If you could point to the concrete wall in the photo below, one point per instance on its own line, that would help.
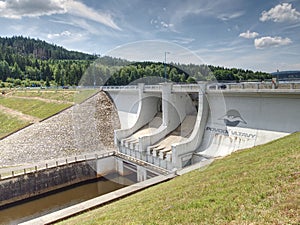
(147, 109)
(127, 104)
(242, 120)
(32, 184)
(183, 151)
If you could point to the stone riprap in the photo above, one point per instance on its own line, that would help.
(83, 128)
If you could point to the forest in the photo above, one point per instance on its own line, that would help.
(29, 62)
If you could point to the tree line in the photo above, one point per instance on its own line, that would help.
(24, 61)
(153, 73)
(30, 62)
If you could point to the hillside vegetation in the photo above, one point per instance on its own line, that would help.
(254, 186)
(26, 62)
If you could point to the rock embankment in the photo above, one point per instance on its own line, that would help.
(83, 128)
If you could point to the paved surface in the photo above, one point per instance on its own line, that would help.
(84, 128)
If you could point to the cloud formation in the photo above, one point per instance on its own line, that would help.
(62, 34)
(15, 9)
(234, 15)
(281, 13)
(249, 34)
(266, 42)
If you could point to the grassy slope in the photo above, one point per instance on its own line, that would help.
(60, 95)
(10, 124)
(255, 186)
(33, 107)
(37, 108)
(76, 96)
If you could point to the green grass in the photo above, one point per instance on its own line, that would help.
(10, 124)
(33, 107)
(60, 95)
(82, 95)
(36, 107)
(76, 96)
(254, 186)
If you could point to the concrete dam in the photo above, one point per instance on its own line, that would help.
(173, 126)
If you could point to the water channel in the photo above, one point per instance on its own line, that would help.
(27, 210)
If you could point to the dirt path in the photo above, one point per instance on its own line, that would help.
(18, 114)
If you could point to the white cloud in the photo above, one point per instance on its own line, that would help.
(62, 34)
(15, 9)
(226, 17)
(79, 9)
(249, 34)
(266, 42)
(281, 13)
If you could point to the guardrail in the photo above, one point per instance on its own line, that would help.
(212, 86)
(152, 88)
(186, 88)
(127, 87)
(145, 164)
(10, 172)
(253, 86)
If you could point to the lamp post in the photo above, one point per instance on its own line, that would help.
(166, 65)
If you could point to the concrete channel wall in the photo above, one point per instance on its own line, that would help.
(29, 184)
(33, 184)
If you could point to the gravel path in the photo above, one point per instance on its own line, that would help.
(83, 128)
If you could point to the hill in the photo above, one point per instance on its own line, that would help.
(19, 45)
(29, 63)
(254, 186)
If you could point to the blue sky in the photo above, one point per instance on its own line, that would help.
(257, 35)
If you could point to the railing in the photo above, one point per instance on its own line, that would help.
(13, 172)
(145, 164)
(211, 87)
(152, 88)
(254, 85)
(110, 88)
(186, 88)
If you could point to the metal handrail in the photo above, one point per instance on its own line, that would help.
(213, 86)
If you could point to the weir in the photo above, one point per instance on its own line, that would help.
(174, 126)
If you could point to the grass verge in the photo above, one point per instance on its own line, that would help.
(33, 107)
(59, 95)
(253, 186)
(10, 124)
